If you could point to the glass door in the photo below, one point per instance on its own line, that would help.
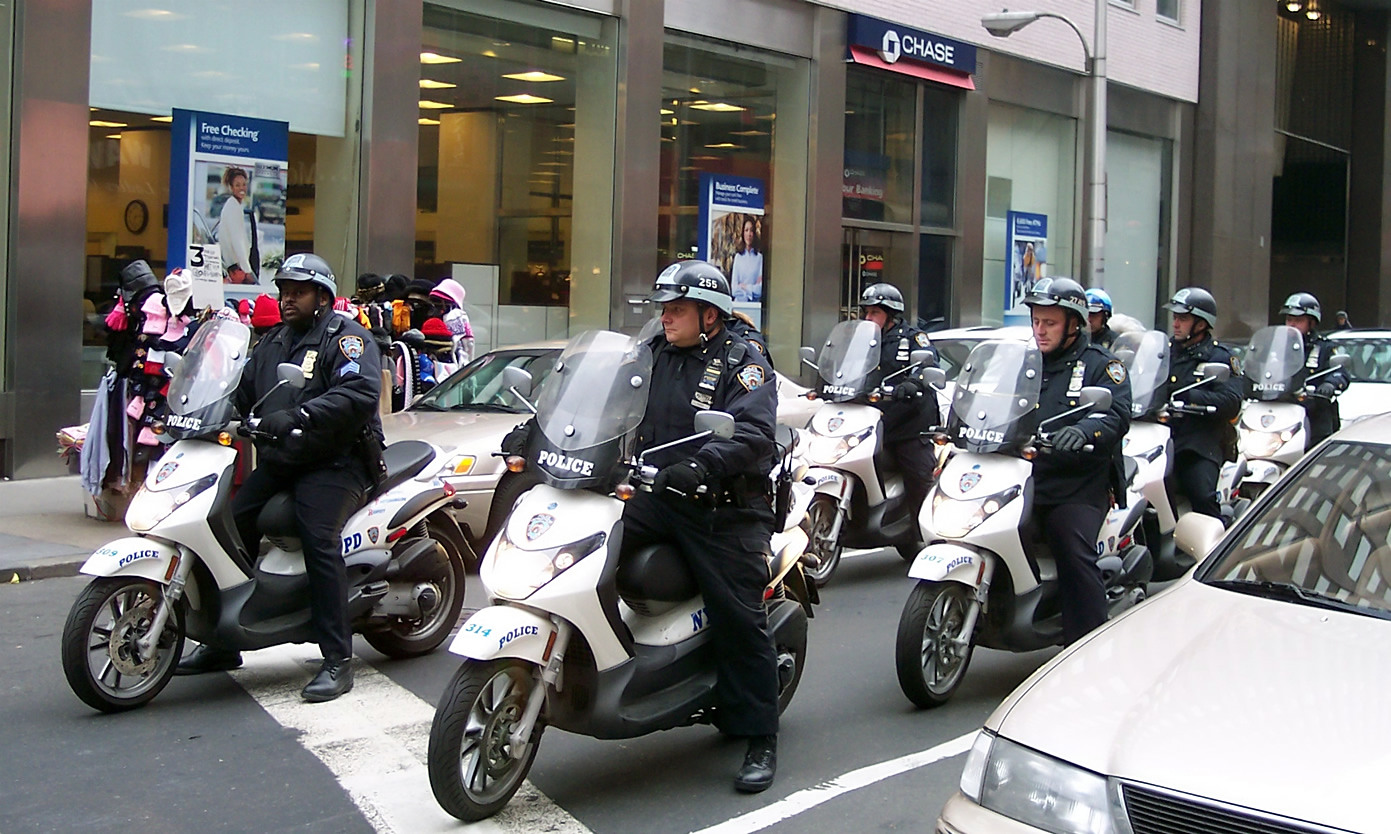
(871, 256)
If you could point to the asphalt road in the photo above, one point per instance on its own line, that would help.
(214, 753)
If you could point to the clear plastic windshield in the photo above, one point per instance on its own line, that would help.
(850, 355)
(211, 367)
(597, 392)
(1146, 357)
(997, 387)
(1274, 359)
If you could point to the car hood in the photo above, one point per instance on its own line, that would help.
(1363, 399)
(1255, 702)
(474, 432)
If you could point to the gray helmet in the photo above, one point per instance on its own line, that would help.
(1058, 292)
(697, 281)
(308, 267)
(1302, 304)
(1194, 301)
(882, 295)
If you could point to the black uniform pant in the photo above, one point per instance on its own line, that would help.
(1195, 477)
(724, 548)
(1071, 531)
(324, 498)
(1323, 420)
(917, 461)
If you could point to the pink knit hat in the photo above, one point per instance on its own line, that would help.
(449, 290)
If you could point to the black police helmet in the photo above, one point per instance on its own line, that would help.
(882, 295)
(1058, 292)
(697, 281)
(1196, 301)
(1302, 304)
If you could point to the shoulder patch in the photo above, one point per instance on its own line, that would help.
(751, 376)
(351, 346)
(1115, 369)
(757, 346)
(921, 340)
(1236, 365)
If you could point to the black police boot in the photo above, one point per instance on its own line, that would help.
(335, 678)
(207, 659)
(760, 763)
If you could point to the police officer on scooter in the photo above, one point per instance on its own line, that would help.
(323, 443)
(1200, 439)
(1302, 312)
(698, 364)
(1071, 494)
(913, 409)
(1099, 312)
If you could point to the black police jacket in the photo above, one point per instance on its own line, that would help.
(1073, 477)
(1202, 433)
(906, 419)
(1106, 337)
(725, 375)
(1324, 418)
(337, 405)
(750, 334)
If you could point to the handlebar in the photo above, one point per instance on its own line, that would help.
(1191, 408)
(251, 428)
(647, 473)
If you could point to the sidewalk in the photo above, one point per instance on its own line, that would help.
(45, 528)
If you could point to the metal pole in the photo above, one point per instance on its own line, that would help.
(1096, 140)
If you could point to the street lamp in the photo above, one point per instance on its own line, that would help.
(1005, 23)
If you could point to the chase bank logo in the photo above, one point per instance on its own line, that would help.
(889, 50)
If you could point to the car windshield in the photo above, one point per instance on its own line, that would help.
(1274, 357)
(478, 385)
(211, 367)
(1146, 357)
(1324, 539)
(850, 354)
(1371, 358)
(598, 390)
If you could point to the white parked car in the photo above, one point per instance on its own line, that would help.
(1370, 391)
(1250, 696)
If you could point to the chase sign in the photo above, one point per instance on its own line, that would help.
(893, 42)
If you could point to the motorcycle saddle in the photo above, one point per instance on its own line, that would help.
(655, 573)
(404, 460)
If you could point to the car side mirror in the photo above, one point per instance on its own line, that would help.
(719, 423)
(290, 374)
(1219, 371)
(517, 380)
(1197, 534)
(935, 377)
(1095, 397)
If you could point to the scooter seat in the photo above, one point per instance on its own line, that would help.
(277, 518)
(404, 460)
(785, 438)
(655, 573)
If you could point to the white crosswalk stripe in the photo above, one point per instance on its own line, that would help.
(374, 742)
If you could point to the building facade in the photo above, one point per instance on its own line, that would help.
(553, 156)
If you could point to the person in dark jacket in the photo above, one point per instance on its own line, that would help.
(321, 442)
(913, 408)
(1200, 438)
(1071, 491)
(1302, 312)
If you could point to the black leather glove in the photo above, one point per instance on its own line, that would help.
(908, 389)
(514, 442)
(279, 424)
(681, 478)
(1069, 439)
(1326, 389)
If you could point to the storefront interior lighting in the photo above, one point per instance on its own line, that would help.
(553, 164)
(436, 58)
(1293, 6)
(426, 104)
(533, 75)
(104, 123)
(432, 84)
(113, 136)
(723, 146)
(427, 121)
(748, 133)
(1313, 12)
(488, 53)
(716, 107)
(151, 14)
(165, 119)
(666, 112)
(525, 98)
(560, 153)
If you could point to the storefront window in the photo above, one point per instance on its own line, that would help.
(879, 135)
(1136, 222)
(516, 122)
(1030, 167)
(939, 156)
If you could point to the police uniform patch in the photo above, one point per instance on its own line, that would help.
(351, 347)
(756, 346)
(1236, 366)
(751, 376)
(922, 340)
(1115, 369)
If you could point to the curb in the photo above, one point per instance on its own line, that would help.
(56, 567)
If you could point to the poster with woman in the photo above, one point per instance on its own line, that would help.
(1027, 239)
(732, 213)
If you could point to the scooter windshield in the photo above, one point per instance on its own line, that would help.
(850, 355)
(1146, 357)
(598, 391)
(209, 373)
(994, 404)
(1273, 361)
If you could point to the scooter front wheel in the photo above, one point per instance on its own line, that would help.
(931, 653)
(820, 521)
(473, 771)
(102, 658)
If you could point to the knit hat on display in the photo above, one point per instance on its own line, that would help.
(266, 312)
(156, 316)
(435, 328)
(178, 287)
(449, 290)
(136, 276)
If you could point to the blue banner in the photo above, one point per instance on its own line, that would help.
(733, 227)
(1026, 260)
(894, 42)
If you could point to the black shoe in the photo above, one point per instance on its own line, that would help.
(760, 763)
(207, 659)
(335, 678)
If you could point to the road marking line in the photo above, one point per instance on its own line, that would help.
(809, 798)
(374, 741)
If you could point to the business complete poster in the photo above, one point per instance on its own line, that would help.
(733, 228)
(227, 183)
(1026, 236)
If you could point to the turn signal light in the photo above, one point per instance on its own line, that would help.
(516, 463)
(811, 395)
(157, 428)
(624, 491)
(224, 438)
(874, 397)
(941, 438)
(1028, 453)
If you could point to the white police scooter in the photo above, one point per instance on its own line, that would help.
(184, 571)
(859, 499)
(580, 634)
(985, 577)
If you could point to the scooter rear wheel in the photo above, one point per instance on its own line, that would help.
(472, 770)
(101, 657)
(413, 638)
(930, 662)
(819, 521)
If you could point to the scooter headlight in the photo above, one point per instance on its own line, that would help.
(148, 508)
(826, 450)
(513, 572)
(955, 517)
(1263, 444)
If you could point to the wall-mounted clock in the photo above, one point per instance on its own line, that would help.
(137, 216)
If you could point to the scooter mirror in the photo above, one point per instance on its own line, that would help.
(921, 356)
(1340, 360)
(290, 374)
(1094, 396)
(808, 357)
(1197, 534)
(935, 377)
(719, 423)
(172, 361)
(517, 379)
(1219, 371)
